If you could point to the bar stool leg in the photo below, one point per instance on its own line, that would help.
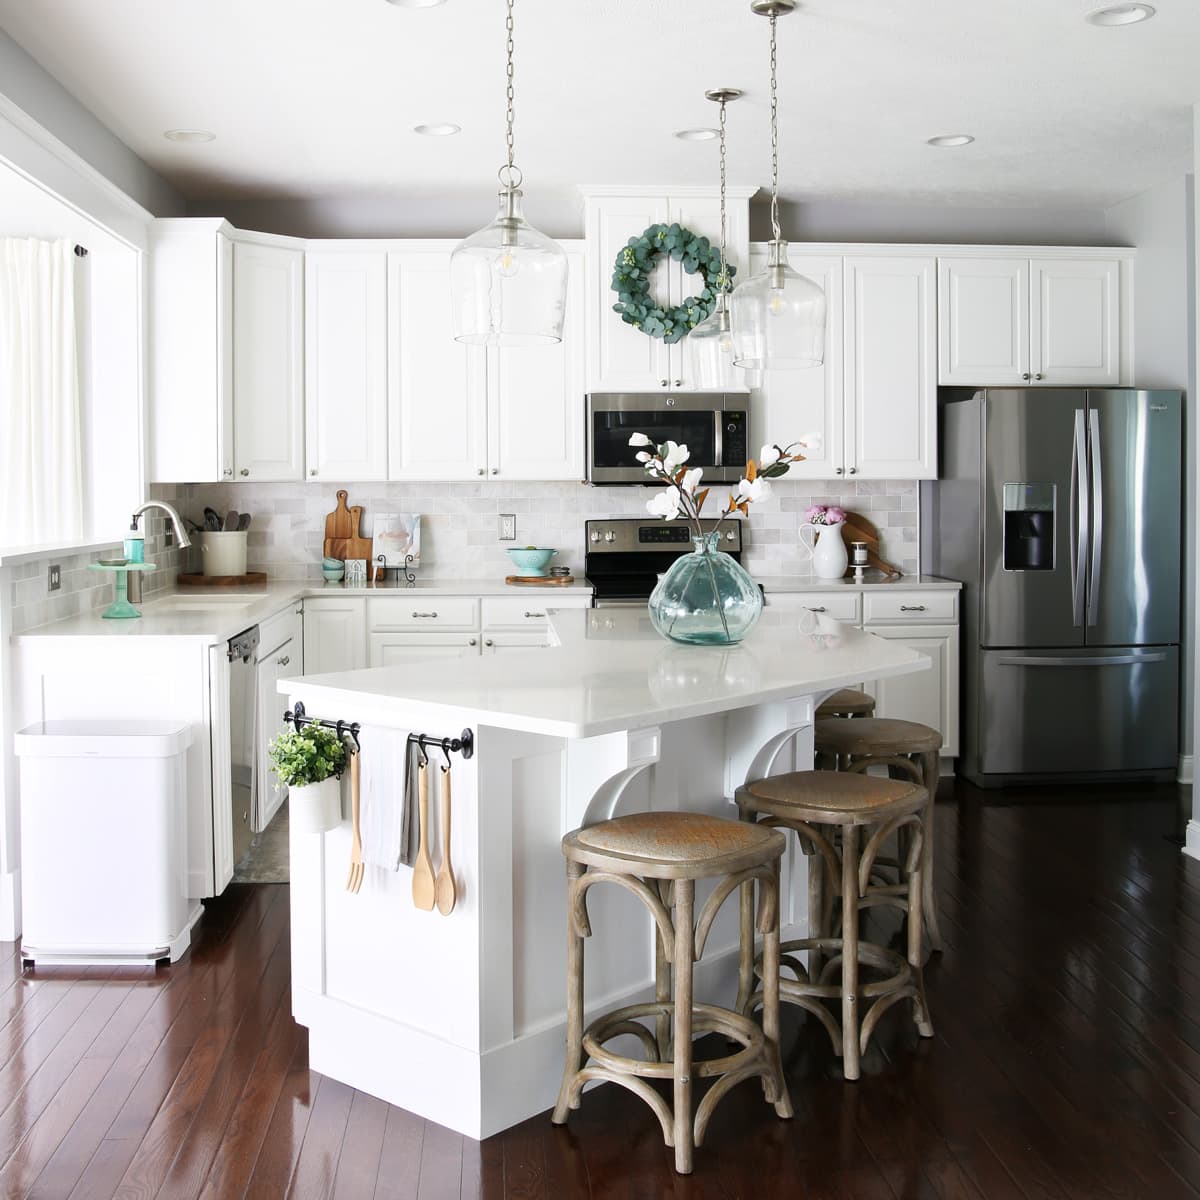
(745, 946)
(915, 948)
(929, 777)
(816, 910)
(685, 890)
(574, 1054)
(662, 980)
(778, 1093)
(850, 1053)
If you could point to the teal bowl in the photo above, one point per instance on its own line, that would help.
(333, 574)
(531, 561)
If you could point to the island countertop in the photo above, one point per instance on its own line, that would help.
(609, 670)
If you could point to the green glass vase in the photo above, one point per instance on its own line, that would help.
(706, 598)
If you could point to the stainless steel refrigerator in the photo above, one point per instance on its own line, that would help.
(1059, 509)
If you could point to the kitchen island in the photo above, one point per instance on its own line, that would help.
(461, 1018)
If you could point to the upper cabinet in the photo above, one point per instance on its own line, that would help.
(621, 358)
(1013, 322)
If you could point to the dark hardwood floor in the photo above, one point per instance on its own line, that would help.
(1066, 1064)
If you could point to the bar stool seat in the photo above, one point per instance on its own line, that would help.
(817, 805)
(658, 856)
(849, 702)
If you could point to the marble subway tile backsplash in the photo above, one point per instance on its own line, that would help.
(459, 521)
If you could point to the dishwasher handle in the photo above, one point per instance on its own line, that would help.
(243, 646)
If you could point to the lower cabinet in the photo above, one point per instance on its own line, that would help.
(386, 649)
(334, 635)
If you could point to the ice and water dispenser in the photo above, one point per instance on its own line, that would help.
(1029, 526)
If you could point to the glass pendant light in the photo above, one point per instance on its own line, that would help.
(508, 282)
(711, 342)
(778, 315)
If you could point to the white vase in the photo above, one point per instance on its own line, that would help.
(315, 807)
(826, 548)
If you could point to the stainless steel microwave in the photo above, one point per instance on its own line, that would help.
(713, 425)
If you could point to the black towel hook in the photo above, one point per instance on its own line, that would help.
(446, 752)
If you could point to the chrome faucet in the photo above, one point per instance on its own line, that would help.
(181, 536)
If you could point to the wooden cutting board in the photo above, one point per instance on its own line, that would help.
(251, 577)
(343, 539)
(856, 528)
(540, 580)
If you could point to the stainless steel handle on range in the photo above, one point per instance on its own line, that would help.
(1113, 660)
(283, 662)
(1097, 476)
(531, 615)
(421, 614)
(912, 608)
(1079, 521)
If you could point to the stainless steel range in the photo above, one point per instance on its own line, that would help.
(626, 555)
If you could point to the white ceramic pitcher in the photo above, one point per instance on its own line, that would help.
(826, 548)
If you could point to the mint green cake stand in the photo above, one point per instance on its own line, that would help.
(120, 607)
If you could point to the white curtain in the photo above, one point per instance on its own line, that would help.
(41, 454)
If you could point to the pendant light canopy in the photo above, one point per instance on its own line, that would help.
(778, 315)
(508, 282)
(711, 342)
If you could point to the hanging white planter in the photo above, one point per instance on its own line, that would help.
(315, 807)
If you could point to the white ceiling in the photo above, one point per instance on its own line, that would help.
(315, 99)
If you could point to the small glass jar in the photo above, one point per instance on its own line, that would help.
(858, 554)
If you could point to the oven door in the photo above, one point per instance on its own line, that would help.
(692, 420)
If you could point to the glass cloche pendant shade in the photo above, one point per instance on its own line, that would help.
(711, 347)
(508, 282)
(778, 318)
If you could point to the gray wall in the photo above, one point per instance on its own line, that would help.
(44, 99)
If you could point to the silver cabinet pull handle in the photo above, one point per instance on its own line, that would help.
(1038, 375)
(428, 614)
(283, 662)
(912, 608)
(245, 471)
(534, 614)
(817, 608)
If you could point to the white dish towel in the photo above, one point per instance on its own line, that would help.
(388, 801)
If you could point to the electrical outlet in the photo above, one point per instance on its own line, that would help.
(508, 527)
(168, 534)
(54, 578)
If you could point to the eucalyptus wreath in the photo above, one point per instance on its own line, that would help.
(635, 265)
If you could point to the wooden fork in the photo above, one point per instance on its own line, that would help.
(355, 878)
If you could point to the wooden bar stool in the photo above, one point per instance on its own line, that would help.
(818, 805)
(658, 856)
(849, 702)
(904, 747)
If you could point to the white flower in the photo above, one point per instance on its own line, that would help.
(675, 457)
(691, 480)
(811, 441)
(643, 456)
(639, 439)
(768, 456)
(760, 489)
(664, 504)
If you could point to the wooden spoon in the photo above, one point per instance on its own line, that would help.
(444, 884)
(422, 882)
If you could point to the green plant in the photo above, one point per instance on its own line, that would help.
(635, 265)
(308, 756)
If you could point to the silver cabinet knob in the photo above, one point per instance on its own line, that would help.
(531, 615)
(473, 642)
(852, 471)
(488, 642)
(1038, 375)
(313, 471)
(664, 383)
(283, 662)
(245, 471)
(495, 470)
(227, 472)
(679, 383)
(1024, 374)
(480, 471)
(839, 470)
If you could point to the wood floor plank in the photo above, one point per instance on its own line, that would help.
(399, 1173)
(276, 1161)
(362, 1146)
(317, 1165)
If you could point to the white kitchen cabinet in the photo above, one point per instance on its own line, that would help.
(929, 697)
(334, 635)
(793, 403)
(619, 357)
(890, 367)
(345, 356)
(268, 362)
(462, 412)
(280, 656)
(841, 604)
(388, 649)
(1012, 322)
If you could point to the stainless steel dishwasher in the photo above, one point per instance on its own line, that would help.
(243, 706)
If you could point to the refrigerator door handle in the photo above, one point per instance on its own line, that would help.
(1079, 521)
(1097, 517)
(1108, 660)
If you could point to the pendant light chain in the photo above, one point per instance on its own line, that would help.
(775, 230)
(513, 171)
(724, 271)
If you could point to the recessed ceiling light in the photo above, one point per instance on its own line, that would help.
(189, 135)
(695, 135)
(951, 139)
(438, 129)
(1121, 14)
(416, 3)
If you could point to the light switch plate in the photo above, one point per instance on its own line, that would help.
(508, 527)
(54, 577)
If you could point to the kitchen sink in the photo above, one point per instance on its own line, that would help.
(185, 604)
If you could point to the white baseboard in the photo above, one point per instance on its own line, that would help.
(1184, 772)
(1191, 846)
(10, 906)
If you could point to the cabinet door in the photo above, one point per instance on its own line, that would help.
(334, 636)
(930, 697)
(535, 398)
(1075, 321)
(500, 643)
(437, 387)
(983, 321)
(345, 357)
(268, 362)
(891, 379)
(793, 403)
(388, 649)
(619, 357)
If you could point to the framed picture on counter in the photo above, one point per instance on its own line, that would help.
(396, 536)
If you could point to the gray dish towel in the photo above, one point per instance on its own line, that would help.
(410, 822)
(390, 824)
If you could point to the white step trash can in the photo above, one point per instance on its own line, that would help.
(104, 842)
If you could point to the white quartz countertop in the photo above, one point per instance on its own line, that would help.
(611, 671)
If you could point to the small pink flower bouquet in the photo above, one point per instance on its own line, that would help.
(825, 514)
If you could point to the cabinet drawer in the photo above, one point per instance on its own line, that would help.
(515, 612)
(841, 605)
(389, 649)
(909, 606)
(423, 612)
(274, 631)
